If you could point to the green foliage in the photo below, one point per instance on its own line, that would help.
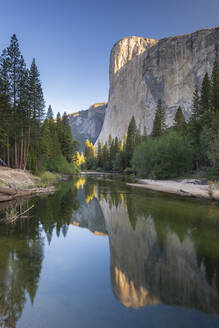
(128, 170)
(61, 165)
(48, 178)
(164, 157)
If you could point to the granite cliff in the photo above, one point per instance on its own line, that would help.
(87, 124)
(143, 70)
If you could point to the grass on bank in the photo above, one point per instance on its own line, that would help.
(48, 178)
(54, 169)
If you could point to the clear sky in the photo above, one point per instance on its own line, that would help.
(71, 40)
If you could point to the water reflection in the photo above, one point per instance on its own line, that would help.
(162, 251)
(22, 244)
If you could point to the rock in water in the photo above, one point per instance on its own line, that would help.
(144, 70)
(87, 124)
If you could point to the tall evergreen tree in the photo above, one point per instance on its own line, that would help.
(106, 157)
(37, 103)
(196, 107)
(215, 87)
(205, 100)
(131, 140)
(159, 120)
(179, 121)
(12, 59)
(36, 107)
(50, 114)
(67, 145)
(59, 127)
(99, 155)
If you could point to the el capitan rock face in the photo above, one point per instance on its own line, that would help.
(87, 124)
(144, 70)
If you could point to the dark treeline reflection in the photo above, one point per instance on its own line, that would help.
(162, 250)
(22, 247)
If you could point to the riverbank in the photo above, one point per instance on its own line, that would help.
(186, 187)
(15, 183)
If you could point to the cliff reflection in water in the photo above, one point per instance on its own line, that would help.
(162, 250)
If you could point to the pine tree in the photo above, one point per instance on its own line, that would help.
(59, 127)
(50, 114)
(215, 88)
(67, 145)
(205, 100)
(36, 107)
(179, 121)
(196, 107)
(159, 120)
(144, 137)
(37, 103)
(131, 140)
(5, 127)
(46, 142)
(99, 155)
(106, 157)
(23, 117)
(12, 59)
(117, 146)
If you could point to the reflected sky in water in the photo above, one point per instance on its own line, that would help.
(99, 254)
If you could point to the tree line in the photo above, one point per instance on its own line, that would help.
(27, 139)
(169, 151)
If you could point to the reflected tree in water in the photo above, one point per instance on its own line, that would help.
(22, 247)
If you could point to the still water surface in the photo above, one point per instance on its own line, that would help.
(100, 254)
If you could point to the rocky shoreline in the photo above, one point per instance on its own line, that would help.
(15, 183)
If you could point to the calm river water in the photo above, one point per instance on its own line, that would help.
(100, 254)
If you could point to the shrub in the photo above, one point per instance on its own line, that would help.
(47, 178)
(61, 165)
(128, 170)
(165, 157)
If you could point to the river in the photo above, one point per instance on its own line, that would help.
(101, 254)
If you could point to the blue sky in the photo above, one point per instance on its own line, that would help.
(71, 40)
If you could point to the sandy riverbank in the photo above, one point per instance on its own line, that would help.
(187, 187)
(16, 183)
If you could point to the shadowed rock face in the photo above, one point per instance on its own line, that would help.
(144, 70)
(87, 124)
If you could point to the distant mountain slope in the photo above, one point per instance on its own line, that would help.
(87, 124)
